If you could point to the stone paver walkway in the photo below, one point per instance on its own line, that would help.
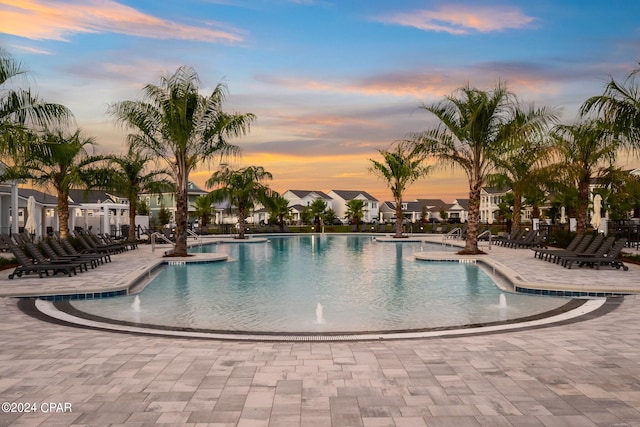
(582, 374)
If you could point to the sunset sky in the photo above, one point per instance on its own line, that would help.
(331, 81)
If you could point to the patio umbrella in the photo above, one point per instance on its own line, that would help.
(31, 224)
(597, 206)
(563, 215)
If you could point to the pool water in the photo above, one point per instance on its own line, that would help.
(320, 283)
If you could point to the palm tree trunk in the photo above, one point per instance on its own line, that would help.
(517, 206)
(583, 206)
(181, 217)
(241, 220)
(132, 219)
(471, 244)
(63, 214)
(399, 218)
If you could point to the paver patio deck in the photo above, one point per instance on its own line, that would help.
(583, 374)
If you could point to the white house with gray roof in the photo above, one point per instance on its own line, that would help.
(342, 197)
(299, 199)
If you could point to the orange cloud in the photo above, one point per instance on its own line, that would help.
(401, 84)
(461, 19)
(55, 20)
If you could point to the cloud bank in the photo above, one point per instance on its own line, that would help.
(57, 20)
(461, 19)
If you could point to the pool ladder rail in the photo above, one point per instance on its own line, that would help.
(456, 233)
(159, 236)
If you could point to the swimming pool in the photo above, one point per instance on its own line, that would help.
(320, 284)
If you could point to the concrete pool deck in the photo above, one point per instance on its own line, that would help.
(583, 374)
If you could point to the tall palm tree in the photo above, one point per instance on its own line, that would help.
(401, 166)
(475, 129)
(129, 176)
(21, 112)
(524, 167)
(243, 188)
(183, 128)
(620, 107)
(62, 164)
(355, 211)
(585, 151)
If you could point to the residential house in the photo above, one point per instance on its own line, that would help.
(342, 197)
(299, 199)
(458, 210)
(413, 210)
(168, 200)
(490, 199)
(45, 214)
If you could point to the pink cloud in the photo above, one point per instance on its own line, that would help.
(56, 20)
(461, 19)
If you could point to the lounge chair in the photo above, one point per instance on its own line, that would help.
(604, 248)
(35, 253)
(91, 246)
(126, 244)
(536, 242)
(502, 241)
(555, 255)
(100, 242)
(55, 257)
(545, 253)
(26, 266)
(512, 243)
(57, 246)
(106, 257)
(591, 248)
(609, 258)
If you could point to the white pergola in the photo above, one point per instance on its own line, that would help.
(104, 212)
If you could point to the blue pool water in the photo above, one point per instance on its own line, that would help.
(361, 284)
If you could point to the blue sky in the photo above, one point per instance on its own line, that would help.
(330, 81)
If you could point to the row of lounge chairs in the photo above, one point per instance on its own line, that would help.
(585, 250)
(520, 238)
(58, 255)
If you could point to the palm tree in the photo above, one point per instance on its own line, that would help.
(318, 208)
(183, 128)
(202, 207)
(475, 129)
(20, 109)
(355, 211)
(585, 151)
(279, 208)
(524, 167)
(62, 164)
(620, 107)
(242, 188)
(401, 167)
(131, 178)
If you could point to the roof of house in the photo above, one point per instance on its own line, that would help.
(432, 202)
(303, 193)
(464, 203)
(92, 196)
(193, 188)
(39, 196)
(353, 194)
(297, 207)
(496, 190)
